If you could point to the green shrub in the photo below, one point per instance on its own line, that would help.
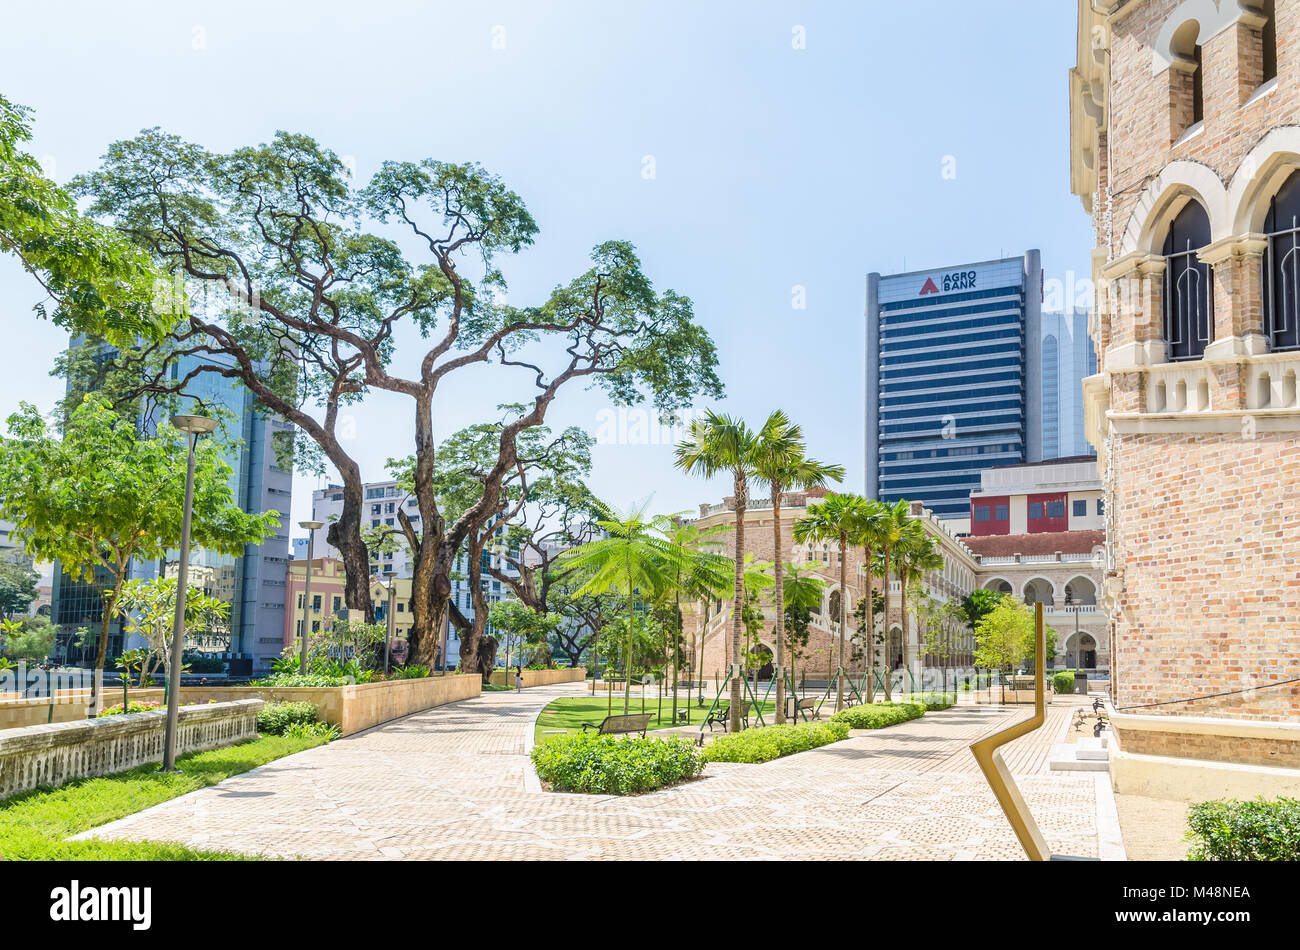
(412, 671)
(312, 730)
(1063, 681)
(204, 663)
(1259, 830)
(933, 702)
(309, 680)
(274, 719)
(615, 765)
(879, 715)
(133, 706)
(771, 742)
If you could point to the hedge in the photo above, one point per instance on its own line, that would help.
(614, 765)
(878, 715)
(933, 702)
(1063, 681)
(772, 742)
(274, 719)
(1259, 830)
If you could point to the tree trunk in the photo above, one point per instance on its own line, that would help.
(106, 621)
(907, 670)
(889, 639)
(780, 604)
(631, 628)
(345, 536)
(871, 627)
(742, 501)
(844, 601)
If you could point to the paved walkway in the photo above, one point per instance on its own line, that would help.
(450, 783)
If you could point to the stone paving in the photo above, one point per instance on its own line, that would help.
(455, 783)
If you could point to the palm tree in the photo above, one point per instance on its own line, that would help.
(835, 519)
(697, 574)
(867, 533)
(719, 444)
(893, 523)
(634, 558)
(781, 464)
(918, 554)
(801, 592)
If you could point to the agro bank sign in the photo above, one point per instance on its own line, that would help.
(935, 284)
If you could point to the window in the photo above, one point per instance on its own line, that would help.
(374, 523)
(1282, 267)
(1080, 508)
(315, 602)
(1036, 510)
(315, 626)
(1056, 509)
(389, 509)
(401, 607)
(1004, 512)
(1268, 37)
(1186, 93)
(300, 602)
(338, 603)
(982, 513)
(1189, 285)
(1101, 506)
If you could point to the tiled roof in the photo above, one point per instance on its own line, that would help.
(1048, 542)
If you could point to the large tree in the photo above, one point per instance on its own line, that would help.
(781, 464)
(98, 281)
(103, 495)
(304, 298)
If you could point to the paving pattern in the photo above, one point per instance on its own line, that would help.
(455, 783)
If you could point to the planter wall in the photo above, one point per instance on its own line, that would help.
(53, 754)
(357, 707)
(70, 705)
(532, 678)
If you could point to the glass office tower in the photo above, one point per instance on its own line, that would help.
(954, 385)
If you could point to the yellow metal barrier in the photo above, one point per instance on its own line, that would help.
(995, 770)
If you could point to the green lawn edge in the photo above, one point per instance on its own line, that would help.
(33, 825)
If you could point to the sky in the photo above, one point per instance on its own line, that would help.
(763, 155)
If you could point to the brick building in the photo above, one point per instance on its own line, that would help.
(1185, 127)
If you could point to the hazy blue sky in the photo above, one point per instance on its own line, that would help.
(775, 167)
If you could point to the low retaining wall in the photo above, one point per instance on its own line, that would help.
(1197, 758)
(357, 707)
(69, 705)
(60, 752)
(575, 674)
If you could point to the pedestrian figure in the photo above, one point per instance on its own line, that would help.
(519, 679)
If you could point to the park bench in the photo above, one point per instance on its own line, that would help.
(723, 716)
(612, 725)
(805, 705)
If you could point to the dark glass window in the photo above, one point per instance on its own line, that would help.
(1101, 506)
(1003, 513)
(1080, 508)
(1036, 511)
(1189, 285)
(982, 513)
(1056, 509)
(1282, 267)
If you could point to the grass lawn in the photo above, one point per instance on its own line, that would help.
(571, 712)
(34, 824)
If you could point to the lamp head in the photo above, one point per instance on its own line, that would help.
(311, 525)
(194, 425)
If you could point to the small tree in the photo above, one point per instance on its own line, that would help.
(102, 496)
(152, 606)
(17, 583)
(519, 625)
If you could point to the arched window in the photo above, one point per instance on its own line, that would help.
(1189, 285)
(1269, 39)
(1282, 267)
(1186, 75)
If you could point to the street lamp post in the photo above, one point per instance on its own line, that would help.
(310, 527)
(392, 617)
(193, 426)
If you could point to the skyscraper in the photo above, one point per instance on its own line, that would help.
(1068, 356)
(954, 379)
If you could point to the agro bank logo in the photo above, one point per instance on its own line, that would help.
(957, 280)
